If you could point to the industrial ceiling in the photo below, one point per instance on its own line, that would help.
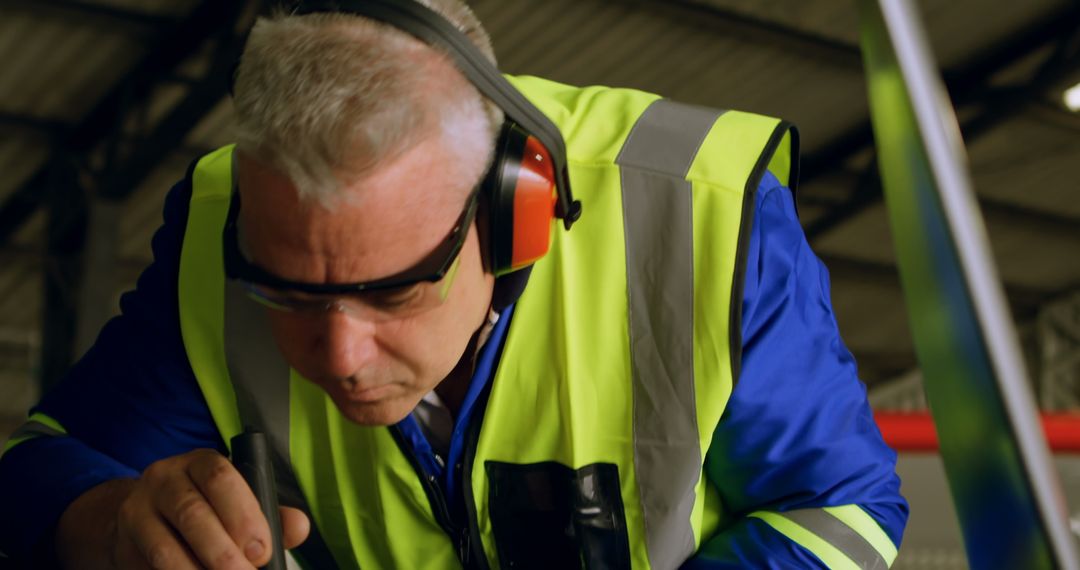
(104, 104)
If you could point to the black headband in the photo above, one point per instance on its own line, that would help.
(433, 29)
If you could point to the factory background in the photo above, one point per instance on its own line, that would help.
(103, 105)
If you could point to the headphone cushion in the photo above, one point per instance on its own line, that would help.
(521, 188)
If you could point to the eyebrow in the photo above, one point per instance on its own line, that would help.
(449, 247)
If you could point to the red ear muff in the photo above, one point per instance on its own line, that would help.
(534, 205)
(521, 188)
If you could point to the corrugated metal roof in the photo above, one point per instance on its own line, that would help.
(957, 29)
(1030, 162)
(634, 45)
(175, 8)
(59, 64)
(678, 48)
(58, 69)
(21, 153)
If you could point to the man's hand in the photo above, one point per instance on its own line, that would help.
(190, 511)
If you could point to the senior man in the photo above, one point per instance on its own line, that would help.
(665, 387)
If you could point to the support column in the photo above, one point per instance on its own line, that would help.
(97, 299)
(61, 269)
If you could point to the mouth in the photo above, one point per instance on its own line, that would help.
(365, 395)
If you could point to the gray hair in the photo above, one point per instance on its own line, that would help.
(322, 98)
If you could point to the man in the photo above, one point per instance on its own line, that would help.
(665, 387)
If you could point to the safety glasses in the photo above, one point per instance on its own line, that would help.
(408, 293)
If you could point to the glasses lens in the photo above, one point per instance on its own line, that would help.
(284, 301)
(380, 305)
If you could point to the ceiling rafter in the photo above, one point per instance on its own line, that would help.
(966, 83)
(875, 365)
(1024, 301)
(973, 85)
(171, 131)
(210, 19)
(131, 21)
(67, 203)
(758, 30)
(1050, 112)
(1043, 222)
(44, 125)
(30, 257)
(1049, 225)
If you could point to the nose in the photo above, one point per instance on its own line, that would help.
(344, 345)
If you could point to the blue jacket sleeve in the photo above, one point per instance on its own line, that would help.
(798, 433)
(136, 375)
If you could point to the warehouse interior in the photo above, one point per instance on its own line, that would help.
(104, 103)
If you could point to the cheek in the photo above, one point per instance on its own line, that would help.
(413, 351)
(439, 337)
(470, 296)
(425, 348)
(430, 343)
(293, 335)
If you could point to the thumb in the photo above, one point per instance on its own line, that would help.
(295, 527)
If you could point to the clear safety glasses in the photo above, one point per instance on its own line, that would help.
(408, 293)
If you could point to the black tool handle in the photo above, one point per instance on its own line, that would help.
(251, 457)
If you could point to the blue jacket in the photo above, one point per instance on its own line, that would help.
(797, 431)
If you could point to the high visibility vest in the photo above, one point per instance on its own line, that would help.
(618, 362)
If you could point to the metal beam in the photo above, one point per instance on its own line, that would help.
(1023, 301)
(138, 22)
(867, 192)
(1051, 225)
(1048, 225)
(878, 366)
(57, 128)
(62, 273)
(1051, 113)
(15, 357)
(44, 125)
(20, 205)
(999, 105)
(57, 184)
(171, 131)
(209, 19)
(757, 30)
(129, 268)
(966, 83)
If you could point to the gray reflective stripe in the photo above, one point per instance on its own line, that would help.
(35, 429)
(658, 220)
(260, 378)
(256, 367)
(667, 136)
(843, 537)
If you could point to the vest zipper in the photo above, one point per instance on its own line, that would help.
(439, 507)
(472, 527)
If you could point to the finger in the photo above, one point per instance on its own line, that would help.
(152, 545)
(235, 503)
(127, 556)
(295, 527)
(184, 507)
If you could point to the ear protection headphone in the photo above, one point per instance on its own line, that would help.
(528, 184)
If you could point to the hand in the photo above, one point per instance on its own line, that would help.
(190, 511)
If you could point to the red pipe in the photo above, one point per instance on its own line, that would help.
(916, 432)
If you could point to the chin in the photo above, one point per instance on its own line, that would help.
(381, 413)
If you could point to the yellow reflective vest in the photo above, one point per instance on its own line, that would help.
(616, 368)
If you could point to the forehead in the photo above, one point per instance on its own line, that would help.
(383, 223)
